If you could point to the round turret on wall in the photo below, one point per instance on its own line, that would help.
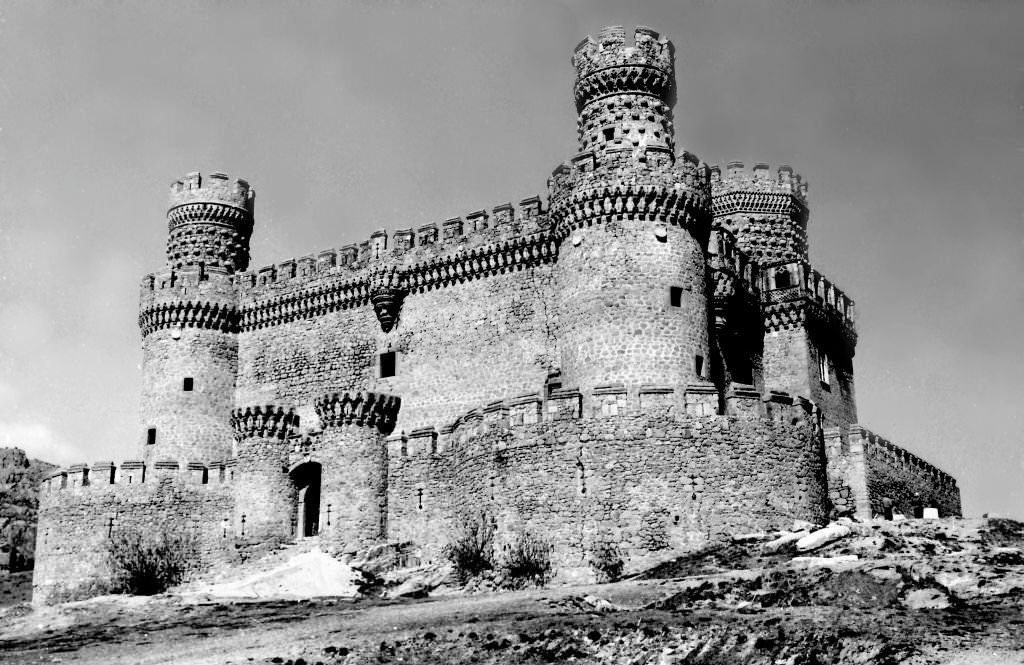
(633, 222)
(189, 321)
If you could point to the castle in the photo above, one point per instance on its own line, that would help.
(647, 361)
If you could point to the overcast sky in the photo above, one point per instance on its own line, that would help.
(905, 117)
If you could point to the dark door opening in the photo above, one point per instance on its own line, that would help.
(306, 478)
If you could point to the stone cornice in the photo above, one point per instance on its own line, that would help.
(584, 193)
(778, 204)
(365, 409)
(267, 422)
(805, 312)
(434, 272)
(189, 314)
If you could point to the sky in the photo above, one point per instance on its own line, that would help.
(906, 118)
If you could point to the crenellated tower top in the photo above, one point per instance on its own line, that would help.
(766, 211)
(625, 93)
(210, 222)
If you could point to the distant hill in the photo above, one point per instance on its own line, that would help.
(19, 503)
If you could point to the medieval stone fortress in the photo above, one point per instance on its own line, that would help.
(646, 360)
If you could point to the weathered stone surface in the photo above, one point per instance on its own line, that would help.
(821, 537)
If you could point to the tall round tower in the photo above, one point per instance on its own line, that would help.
(189, 321)
(633, 221)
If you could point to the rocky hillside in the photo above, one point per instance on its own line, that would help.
(19, 501)
(919, 592)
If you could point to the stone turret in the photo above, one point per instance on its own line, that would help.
(354, 489)
(189, 319)
(766, 211)
(625, 93)
(209, 222)
(633, 222)
(264, 495)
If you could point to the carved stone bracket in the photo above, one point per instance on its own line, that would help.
(387, 291)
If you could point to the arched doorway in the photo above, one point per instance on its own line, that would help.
(306, 478)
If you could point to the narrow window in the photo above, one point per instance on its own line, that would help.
(675, 296)
(698, 363)
(188, 384)
(553, 382)
(609, 133)
(823, 369)
(151, 436)
(419, 498)
(387, 364)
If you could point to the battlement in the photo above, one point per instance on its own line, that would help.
(216, 188)
(108, 475)
(404, 247)
(210, 221)
(785, 285)
(609, 64)
(877, 446)
(767, 212)
(189, 314)
(674, 191)
(267, 422)
(278, 298)
(737, 179)
(365, 409)
(696, 401)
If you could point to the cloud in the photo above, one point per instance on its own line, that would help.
(38, 440)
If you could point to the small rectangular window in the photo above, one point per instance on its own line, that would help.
(387, 364)
(675, 296)
(188, 384)
(151, 436)
(699, 365)
(609, 133)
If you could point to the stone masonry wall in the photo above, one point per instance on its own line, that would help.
(617, 322)
(76, 522)
(905, 479)
(643, 482)
(354, 487)
(790, 364)
(188, 332)
(847, 474)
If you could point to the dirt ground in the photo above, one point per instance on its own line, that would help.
(949, 593)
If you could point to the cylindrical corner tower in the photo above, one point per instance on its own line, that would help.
(353, 493)
(633, 221)
(264, 494)
(189, 321)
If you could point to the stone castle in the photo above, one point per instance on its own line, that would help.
(646, 361)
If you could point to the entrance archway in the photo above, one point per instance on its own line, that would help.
(306, 478)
